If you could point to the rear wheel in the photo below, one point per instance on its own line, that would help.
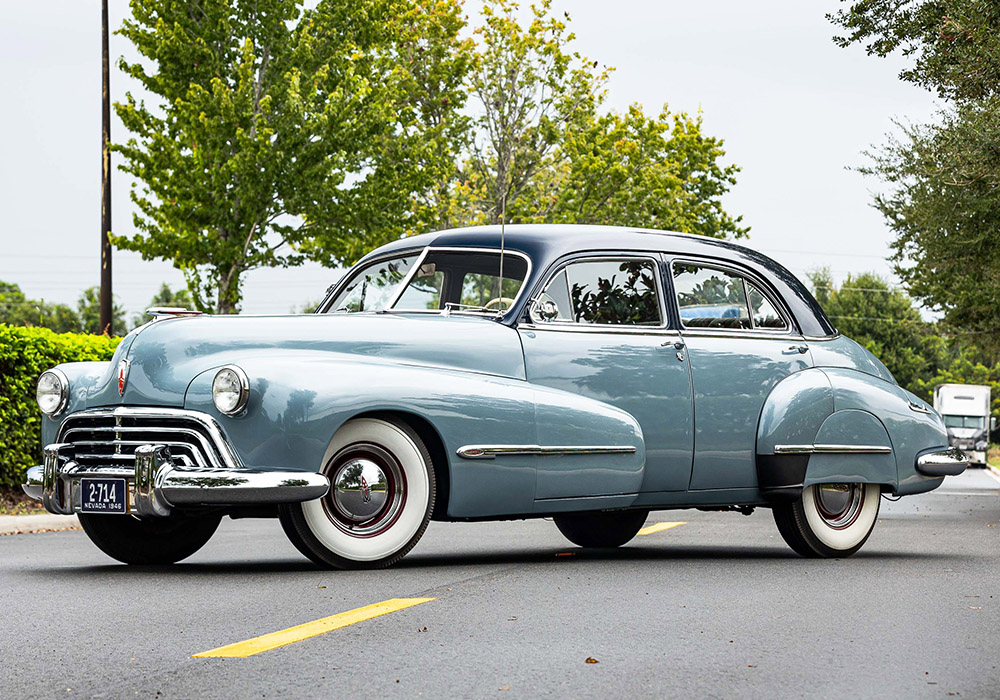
(382, 492)
(601, 529)
(829, 520)
(149, 540)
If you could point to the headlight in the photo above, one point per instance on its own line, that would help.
(230, 390)
(52, 392)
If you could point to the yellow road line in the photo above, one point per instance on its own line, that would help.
(266, 642)
(658, 527)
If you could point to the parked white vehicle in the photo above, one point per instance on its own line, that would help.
(966, 412)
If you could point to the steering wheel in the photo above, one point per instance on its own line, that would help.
(499, 300)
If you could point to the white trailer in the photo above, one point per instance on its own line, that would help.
(966, 412)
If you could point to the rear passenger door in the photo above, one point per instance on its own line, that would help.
(740, 343)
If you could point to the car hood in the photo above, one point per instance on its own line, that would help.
(164, 356)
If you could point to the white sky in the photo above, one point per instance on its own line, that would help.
(795, 111)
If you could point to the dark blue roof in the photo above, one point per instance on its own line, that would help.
(546, 243)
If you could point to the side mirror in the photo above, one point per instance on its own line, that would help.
(543, 310)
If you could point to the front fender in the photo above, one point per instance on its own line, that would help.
(298, 402)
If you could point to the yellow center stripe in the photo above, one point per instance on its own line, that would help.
(266, 642)
(658, 527)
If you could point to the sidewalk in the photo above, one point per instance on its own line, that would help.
(23, 524)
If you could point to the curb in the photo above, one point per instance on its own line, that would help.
(993, 471)
(24, 524)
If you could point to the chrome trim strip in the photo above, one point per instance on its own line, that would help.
(230, 460)
(949, 462)
(831, 449)
(491, 451)
(918, 408)
(785, 336)
(592, 328)
(821, 338)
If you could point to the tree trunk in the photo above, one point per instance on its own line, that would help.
(229, 291)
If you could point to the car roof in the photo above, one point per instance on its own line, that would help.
(546, 243)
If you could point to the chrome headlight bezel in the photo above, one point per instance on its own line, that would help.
(238, 384)
(62, 381)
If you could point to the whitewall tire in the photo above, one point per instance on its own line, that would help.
(829, 520)
(382, 492)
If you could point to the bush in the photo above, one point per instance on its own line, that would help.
(24, 354)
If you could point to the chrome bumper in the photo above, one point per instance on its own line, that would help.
(157, 485)
(947, 462)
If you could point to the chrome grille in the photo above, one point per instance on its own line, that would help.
(110, 437)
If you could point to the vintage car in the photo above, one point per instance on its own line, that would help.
(588, 374)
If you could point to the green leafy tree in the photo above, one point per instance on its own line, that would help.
(542, 149)
(955, 44)
(17, 310)
(884, 320)
(89, 308)
(942, 198)
(274, 125)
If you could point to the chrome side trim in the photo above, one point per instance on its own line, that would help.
(596, 328)
(229, 457)
(948, 462)
(491, 451)
(832, 449)
(786, 336)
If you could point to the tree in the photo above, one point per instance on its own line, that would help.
(955, 43)
(17, 310)
(275, 125)
(942, 199)
(884, 320)
(89, 308)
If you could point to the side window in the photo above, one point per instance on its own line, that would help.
(618, 292)
(709, 297)
(765, 316)
(424, 290)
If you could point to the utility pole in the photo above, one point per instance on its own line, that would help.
(105, 177)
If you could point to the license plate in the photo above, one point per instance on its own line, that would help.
(103, 496)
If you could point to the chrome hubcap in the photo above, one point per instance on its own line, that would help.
(367, 490)
(839, 504)
(359, 489)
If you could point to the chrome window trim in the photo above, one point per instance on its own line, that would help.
(230, 459)
(337, 286)
(831, 449)
(423, 253)
(492, 451)
(751, 335)
(744, 275)
(821, 338)
(607, 327)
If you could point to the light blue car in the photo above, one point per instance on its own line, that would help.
(589, 374)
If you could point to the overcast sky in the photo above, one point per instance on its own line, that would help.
(794, 110)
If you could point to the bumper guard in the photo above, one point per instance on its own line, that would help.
(949, 462)
(157, 485)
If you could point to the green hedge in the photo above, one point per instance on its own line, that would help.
(24, 354)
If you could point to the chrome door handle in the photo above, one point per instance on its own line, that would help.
(678, 344)
(800, 349)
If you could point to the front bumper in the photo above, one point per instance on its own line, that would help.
(949, 462)
(157, 485)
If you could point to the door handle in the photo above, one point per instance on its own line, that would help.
(678, 344)
(796, 349)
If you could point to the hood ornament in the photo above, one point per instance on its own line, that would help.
(122, 376)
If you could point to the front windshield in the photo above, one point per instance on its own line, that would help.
(977, 422)
(463, 281)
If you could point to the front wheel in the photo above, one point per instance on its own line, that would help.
(829, 520)
(382, 492)
(601, 529)
(149, 540)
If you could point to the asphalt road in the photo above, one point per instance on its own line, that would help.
(717, 607)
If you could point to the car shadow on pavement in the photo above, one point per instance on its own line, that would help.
(547, 556)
